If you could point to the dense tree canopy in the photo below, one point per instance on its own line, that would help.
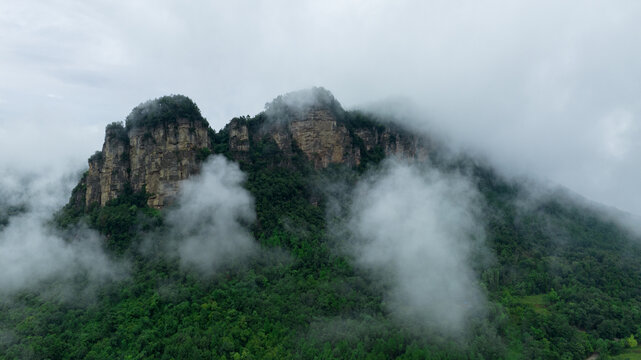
(164, 110)
(563, 282)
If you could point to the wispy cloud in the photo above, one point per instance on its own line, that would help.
(417, 229)
(208, 228)
(34, 253)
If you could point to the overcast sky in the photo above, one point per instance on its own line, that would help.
(549, 88)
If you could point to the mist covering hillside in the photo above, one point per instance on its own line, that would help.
(278, 246)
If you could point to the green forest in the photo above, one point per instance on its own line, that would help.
(561, 282)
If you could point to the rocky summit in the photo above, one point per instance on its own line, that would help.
(157, 148)
(300, 240)
(164, 141)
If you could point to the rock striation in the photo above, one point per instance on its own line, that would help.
(315, 123)
(163, 142)
(158, 148)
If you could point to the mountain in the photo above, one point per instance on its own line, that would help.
(159, 146)
(311, 231)
(165, 140)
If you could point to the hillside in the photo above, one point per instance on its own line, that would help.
(309, 231)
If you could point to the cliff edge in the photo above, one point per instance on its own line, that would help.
(158, 146)
(163, 142)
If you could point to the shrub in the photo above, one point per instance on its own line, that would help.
(164, 110)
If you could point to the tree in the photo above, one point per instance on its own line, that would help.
(631, 342)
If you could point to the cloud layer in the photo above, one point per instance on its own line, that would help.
(33, 252)
(542, 87)
(208, 228)
(417, 230)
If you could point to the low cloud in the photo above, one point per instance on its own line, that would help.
(34, 253)
(208, 228)
(534, 196)
(416, 229)
(545, 88)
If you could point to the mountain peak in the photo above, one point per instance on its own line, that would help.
(159, 146)
(164, 110)
(164, 140)
(296, 104)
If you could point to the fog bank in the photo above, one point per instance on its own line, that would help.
(33, 252)
(208, 228)
(416, 230)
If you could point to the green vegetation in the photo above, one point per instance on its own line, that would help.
(116, 130)
(10, 211)
(96, 157)
(123, 219)
(564, 283)
(291, 106)
(629, 354)
(203, 154)
(164, 111)
(359, 120)
(538, 303)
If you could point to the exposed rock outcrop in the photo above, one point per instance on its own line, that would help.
(107, 174)
(315, 122)
(164, 139)
(153, 153)
(322, 139)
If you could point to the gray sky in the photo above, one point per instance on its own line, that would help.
(548, 88)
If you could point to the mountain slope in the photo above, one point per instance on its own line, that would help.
(559, 281)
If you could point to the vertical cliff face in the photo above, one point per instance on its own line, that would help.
(314, 122)
(107, 173)
(158, 148)
(239, 141)
(393, 142)
(319, 135)
(163, 141)
(162, 156)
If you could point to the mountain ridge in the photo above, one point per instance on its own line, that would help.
(164, 141)
(558, 279)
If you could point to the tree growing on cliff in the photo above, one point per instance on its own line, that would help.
(164, 110)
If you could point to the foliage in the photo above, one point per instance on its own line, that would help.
(359, 120)
(292, 106)
(164, 111)
(96, 157)
(220, 141)
(629, 354)
(563, 284)
(117, 131)
(71, 213)
(10, 211)
(121, 220)
(202, 154)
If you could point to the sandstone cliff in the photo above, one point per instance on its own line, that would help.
(315, 123)
(157, 149)
(164, 141)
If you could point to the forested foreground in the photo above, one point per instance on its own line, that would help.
(560, 282)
